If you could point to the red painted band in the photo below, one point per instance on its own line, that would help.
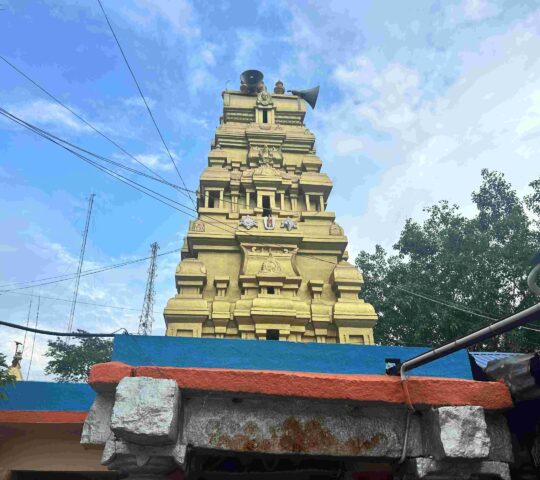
(41, 416)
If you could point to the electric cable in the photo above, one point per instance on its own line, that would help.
(87, 123)
(70, 276)
(61, 334)
(455, 307)
(79, 302)
(137, 186)
(143, 97)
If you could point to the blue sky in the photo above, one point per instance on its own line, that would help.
(416, 98)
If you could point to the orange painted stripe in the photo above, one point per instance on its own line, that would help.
(41, 416)
(368, 388)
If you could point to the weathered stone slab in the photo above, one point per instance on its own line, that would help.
(463, 432)
(295, 426)
(97, 426)
(146, 410)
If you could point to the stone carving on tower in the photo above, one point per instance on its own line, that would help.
(265, 259)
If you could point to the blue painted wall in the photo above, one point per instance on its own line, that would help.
(77, 397)
(274, 355)
(235, 354)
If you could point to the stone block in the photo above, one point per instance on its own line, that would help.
(429, 468)
(499, 435)
(97, 426)
(146, 411)
(462, 432)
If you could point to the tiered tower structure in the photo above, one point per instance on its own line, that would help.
(265, 259)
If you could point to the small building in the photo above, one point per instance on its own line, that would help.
(220, 408)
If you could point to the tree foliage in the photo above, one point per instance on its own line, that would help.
(479, 264)
(71, 362)
(6, 378)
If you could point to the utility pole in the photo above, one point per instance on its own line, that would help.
(147, 315)
(79, 267)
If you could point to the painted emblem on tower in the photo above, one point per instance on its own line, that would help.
(269, 222)
(289, 224)
(248, 222)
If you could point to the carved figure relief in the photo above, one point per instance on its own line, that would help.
(335, 229)
(265, 155)
(197, 226)
(278, 88)
(248, 222)
(289, 224)
(270, 265)
(264, 98)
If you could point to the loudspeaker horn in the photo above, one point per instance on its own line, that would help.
(252, 79)
(310, 95)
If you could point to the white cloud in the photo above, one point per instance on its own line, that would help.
(431, 149)
(138, 102)
(478, 9)
(44, 113)
(247, 52)
(156, 161)
(177, 14)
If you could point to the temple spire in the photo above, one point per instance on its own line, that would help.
(265, 259)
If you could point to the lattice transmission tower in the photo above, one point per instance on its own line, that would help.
(147, 314)
(80, 265)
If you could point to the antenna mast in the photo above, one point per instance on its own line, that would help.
(147, 315)
(79, 268)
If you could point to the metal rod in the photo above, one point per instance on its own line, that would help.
(59, 334)
(526, 316)
(529, 315)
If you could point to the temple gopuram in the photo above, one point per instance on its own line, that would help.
(265, 259)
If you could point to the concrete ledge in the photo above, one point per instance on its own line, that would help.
(104, 377)
(362, 388)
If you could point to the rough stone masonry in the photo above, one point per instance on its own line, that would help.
(146, 424)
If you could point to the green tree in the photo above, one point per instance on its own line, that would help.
(6, 378)
(71, 362)
(479, 264)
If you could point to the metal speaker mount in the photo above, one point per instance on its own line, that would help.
(310, 95)
(252, 79)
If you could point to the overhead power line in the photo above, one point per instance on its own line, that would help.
(143, 97)
(61, 334)
(165, 200)
(82, 119)
(137, 186)
(455, 307)
(83, 274)
(79, 302)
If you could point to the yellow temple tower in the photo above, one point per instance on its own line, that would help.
(265, 259)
